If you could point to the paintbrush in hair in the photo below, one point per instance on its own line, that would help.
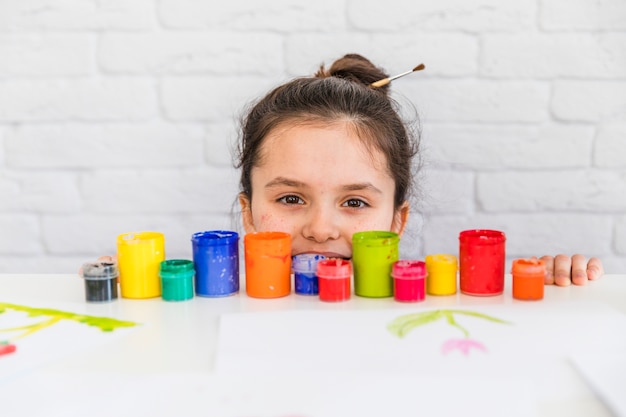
(387, 80)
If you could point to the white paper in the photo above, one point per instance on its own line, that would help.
(56, 339)
(531, 347)
(606, 374)
(308, 395)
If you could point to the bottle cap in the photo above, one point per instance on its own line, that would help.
(408, 269)
(530, 266)
(215, 237)
(99, 270)
(334, 268)
(176, 268)
(306, 262)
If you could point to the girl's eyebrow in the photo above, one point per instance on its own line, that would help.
(361, 187)
(282, 181)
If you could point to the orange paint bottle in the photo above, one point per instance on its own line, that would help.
(528, 279)
(268, 264)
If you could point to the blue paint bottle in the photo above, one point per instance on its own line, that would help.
(305, 273)
(216, 260)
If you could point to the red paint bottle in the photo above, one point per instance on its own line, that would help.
(334, 279)
(409, 280)
(481, 262)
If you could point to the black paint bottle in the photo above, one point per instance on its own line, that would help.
(100, 281)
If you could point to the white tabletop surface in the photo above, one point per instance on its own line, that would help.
(181, 337)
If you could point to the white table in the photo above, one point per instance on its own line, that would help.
(181, 336)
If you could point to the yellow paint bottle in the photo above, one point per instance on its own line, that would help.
(139, 256)
(442, 270)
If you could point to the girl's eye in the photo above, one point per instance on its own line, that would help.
(354, 203)
(291, 199)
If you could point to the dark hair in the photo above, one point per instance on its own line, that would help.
(340, 93)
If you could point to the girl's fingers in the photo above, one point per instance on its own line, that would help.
(562, 270)
(594, 269)
(579, 270)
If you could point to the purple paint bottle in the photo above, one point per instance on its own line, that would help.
(305, 273)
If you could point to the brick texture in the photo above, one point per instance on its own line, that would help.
(122, 115)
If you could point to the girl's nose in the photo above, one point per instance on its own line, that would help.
(320, 225)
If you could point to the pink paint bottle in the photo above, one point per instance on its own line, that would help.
(409, 280)
(334, 279)
(481, 262)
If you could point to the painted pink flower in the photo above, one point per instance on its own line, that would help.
(464, 345)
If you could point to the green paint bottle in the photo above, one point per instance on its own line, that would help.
(177, 279)
(373, 255)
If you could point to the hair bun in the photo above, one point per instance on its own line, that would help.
(355, 68)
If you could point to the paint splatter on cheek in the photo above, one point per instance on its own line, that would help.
(265, 222)
(270, 222)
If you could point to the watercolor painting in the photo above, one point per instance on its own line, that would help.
(32, 336)
(402, 325)
(44, 318)
(495, 341)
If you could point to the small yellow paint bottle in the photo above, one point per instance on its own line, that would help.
(442, 274)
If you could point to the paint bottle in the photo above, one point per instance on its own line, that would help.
(177, 279)
(268, 264)
(482, 262)
(100, 281)
(409, 280)
(139, 256)
(373, 254)
(528, 278)
(216, 259)
(305, 273)
(442, 271)
(334, 279)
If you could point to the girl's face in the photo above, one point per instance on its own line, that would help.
(319, 183)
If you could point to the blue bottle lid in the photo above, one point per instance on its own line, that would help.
(215, 237)
(306, 262)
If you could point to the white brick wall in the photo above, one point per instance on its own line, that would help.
(121, 115)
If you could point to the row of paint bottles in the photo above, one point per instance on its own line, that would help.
(482, 259)
(379, 273)
(377, 270)
(144, 273)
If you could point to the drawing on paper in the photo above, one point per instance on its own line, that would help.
(402, 325)
(49, 318)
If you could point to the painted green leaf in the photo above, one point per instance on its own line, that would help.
(404, 324)
(105, 324)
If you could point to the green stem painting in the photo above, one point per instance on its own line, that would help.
(402, 325)
(49, 318)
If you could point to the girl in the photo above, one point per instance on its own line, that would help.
(326, 156)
